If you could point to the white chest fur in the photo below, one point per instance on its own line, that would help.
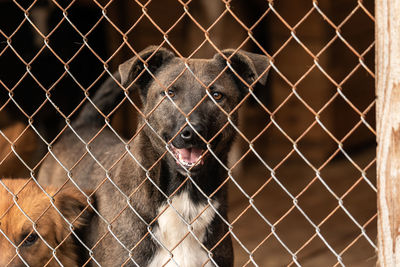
(173, 233)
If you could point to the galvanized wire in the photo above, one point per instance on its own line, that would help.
(186, 12)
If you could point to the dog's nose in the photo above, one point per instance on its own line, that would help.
(187, 133)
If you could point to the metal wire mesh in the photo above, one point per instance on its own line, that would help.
(301, 175)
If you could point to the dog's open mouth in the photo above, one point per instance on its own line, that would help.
(188, 157)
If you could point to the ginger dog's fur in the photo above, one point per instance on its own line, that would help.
(49, 224)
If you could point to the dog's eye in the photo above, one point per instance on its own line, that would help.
(217, 95)
(30, 240)
(171, 93)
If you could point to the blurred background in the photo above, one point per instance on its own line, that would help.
(303, 186)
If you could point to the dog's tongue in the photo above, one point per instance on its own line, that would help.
(190, 155)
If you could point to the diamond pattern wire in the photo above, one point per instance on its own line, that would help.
(253, 252)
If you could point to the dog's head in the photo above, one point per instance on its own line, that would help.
(17, 231)
(192, 104)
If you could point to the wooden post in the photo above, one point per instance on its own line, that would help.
(388, 129)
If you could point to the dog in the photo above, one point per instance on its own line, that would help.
(17, 232)
(161, 195)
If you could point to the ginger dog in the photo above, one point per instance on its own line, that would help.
(17, 232)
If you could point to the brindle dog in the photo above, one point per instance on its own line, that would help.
(159, 199)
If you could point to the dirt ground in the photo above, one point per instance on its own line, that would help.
(253, 234)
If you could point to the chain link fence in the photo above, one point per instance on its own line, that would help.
(297, 188)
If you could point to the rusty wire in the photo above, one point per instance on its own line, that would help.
(294, 93)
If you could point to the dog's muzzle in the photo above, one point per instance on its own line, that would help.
(188, 157)
(188, 148)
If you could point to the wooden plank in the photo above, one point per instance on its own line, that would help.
(388, 129)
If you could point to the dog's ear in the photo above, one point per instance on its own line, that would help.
(71, 202)
(249, 66)
(154, 57)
